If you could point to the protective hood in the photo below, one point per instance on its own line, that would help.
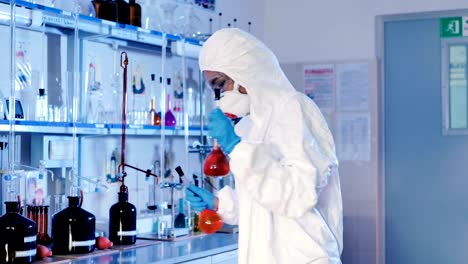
(253, 65)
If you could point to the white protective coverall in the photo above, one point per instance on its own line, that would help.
(287, 200)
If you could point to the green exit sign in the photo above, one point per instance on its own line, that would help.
(453, 27)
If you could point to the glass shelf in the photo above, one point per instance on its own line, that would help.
(42, 127)
(54, 17)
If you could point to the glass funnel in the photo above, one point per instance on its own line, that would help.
(216, 164)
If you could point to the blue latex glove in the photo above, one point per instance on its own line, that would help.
(199, 198)
(221, 128)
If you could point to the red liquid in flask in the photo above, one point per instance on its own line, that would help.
(210, 221)
(216, 164)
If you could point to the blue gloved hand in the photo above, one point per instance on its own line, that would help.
(221, 128)
(199, 198)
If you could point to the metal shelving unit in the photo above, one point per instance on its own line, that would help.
(31, 16)
(93, 129)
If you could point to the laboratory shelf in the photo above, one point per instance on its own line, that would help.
(146, 130)
(44, 127)
(34, 15)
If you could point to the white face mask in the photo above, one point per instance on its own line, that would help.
(234, 103)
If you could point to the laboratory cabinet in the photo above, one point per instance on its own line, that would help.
(64, 132)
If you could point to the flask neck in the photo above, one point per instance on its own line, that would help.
(123, 197)
(73, 201)
(12, 207)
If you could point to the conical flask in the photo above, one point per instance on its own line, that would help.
(216, 164)
(210, 221)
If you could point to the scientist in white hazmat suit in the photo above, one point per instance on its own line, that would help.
(287, 199)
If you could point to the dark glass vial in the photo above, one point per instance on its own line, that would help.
(122, 221)
(17, 236)
(119, 11)
(135, 13)
(73, 229)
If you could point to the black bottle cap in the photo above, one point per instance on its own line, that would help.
(235, 19)
(229, 24)
(211, 20)
(220, 14)
(41, 91)
(160, 79)
(250, 23)
(168, 81)
(12, 207)
(73, 201)
(179, 171)
(153, 77)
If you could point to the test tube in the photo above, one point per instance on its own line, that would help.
(211, 26)
(250, 26)
(220, 15)
(234, 22)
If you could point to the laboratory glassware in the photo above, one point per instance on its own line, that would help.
(166, 23)
(43, 225)
(119, 11)
(170, 119)
(216, 164)
(153, 117)
(122, 220)
(97, 4)
(73, 229)
(41, 105)
(17, 233)
(149, 14)
(180, 220)
(154, 191)
(188, 23)
(209, 221)
(220, 17)
(135, 13)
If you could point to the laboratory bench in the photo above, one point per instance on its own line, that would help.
(205, 249)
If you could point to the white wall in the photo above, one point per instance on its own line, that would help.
(308, 30)
(243, 10)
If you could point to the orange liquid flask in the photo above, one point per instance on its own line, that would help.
(209, 221)
(216, 164)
